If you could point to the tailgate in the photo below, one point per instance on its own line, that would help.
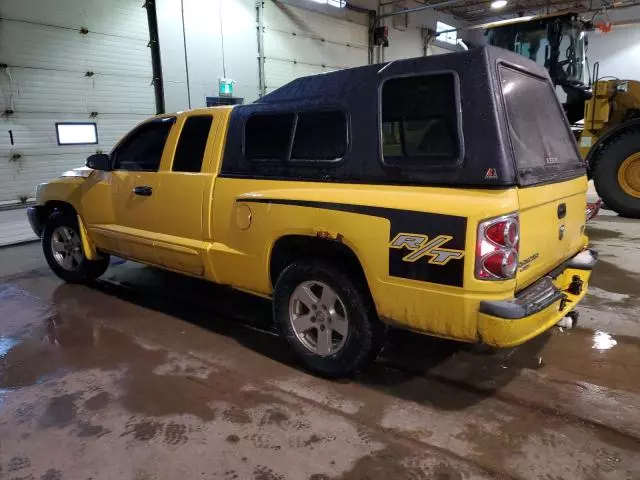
(552, 219)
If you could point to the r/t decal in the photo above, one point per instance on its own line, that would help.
(421, 246)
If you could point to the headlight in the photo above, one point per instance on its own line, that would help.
(39, 189)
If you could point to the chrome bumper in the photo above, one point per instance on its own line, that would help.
(542, 293)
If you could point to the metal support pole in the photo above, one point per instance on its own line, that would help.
(379, 48)
(154, 45)
(372, 26)
(262, 87)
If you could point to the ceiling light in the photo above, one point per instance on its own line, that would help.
(498, 4)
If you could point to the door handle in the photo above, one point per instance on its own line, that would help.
(143, 190)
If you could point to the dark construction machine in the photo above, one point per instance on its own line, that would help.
(604, 111)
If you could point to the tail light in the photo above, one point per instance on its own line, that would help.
(497, 247)
(593, 209)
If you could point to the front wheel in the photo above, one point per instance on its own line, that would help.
(328, 320)
(62, 246)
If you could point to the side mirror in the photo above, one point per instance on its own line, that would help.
(99, 161)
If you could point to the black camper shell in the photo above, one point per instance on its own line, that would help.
(483, 118)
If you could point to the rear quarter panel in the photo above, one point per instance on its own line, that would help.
(418, 295)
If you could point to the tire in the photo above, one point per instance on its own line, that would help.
(349, 325)
(606, 165)
(66, 258)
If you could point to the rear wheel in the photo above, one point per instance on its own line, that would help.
(616, 174)
(62, 246)
(328, 320)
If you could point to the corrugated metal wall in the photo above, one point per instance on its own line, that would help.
(300, 42)
(46, 81)
(298, 37)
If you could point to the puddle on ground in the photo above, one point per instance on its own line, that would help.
(56, 343)
(592, 356)
(483, 368)
(6, 344)
(20, 312)
(595, 356)
(603, 300)
(612, 278)
(603, 340)
(596, 234)
(67, 337)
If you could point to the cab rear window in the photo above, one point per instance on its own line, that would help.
(540, 136)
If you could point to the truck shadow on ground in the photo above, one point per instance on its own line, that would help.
(441, 373)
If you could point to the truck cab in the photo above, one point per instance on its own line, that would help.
(445, 195)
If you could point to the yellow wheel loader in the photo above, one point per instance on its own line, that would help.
(604, 111)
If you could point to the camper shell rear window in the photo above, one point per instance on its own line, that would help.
(542, 142)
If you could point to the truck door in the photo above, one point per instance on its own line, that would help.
(131, 192)
(184, 195)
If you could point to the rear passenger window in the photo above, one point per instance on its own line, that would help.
(192, 144)
(268, 136)
(420, 121)
(320, 136)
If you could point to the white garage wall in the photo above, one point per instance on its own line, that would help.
(619, 50)
(299, 41)
(47, 81)
(208, 26)
(409, 43)
(403, 43)
(300, 37)
(293, 45)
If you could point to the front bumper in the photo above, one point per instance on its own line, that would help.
(539, 307)
(36, 216)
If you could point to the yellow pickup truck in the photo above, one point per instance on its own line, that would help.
(443, 194)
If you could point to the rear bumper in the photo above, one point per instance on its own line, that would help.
(36, 217)
(537, 308)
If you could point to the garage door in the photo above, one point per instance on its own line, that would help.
(299, 42)
(436, 50)
(67, 61)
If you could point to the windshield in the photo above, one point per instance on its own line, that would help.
(541, 40)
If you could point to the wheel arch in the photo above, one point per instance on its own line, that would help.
(289, 248)
(59, 206)
(39, 214)
(65, 207)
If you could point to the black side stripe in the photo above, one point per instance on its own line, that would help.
(341, 207)
(403, 221)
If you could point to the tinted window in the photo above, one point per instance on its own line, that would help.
(142, 149)
(420, 121)
(268, 136)
(320, 136)
(192, 143)
(539, 132)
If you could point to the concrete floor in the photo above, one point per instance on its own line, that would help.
(148, 375)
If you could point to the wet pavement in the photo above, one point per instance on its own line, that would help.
(149, 375)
